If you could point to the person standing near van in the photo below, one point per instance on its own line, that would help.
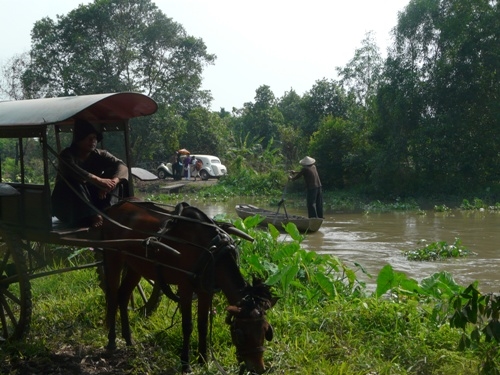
(187, 167)
(314, 193)
(194, 170)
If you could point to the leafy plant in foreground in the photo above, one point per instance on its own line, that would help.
(300, 275)
(436, 289)
(439, 286)
(477, 316)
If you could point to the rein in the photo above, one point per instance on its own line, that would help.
(221, 245)
(162, 233)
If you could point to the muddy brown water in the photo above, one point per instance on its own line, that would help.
(375, 240)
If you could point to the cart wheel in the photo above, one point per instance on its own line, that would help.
(15, 289)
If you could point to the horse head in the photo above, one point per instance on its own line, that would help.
(249, 326)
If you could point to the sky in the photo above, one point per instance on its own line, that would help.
(284, 44)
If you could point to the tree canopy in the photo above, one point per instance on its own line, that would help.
(438, 105)
(423, 120)
(117, 45)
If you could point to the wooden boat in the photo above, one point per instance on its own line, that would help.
(303, 224)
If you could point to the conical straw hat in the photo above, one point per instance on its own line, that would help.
(307, 161)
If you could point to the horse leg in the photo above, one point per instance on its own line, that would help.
(204, 303)
(186, 296)
(129, 282)
(112, 272)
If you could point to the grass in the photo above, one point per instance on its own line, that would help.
(324, 323)
(336, 337)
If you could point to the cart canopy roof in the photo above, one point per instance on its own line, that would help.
(112, 107)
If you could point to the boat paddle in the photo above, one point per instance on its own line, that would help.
(281, 203)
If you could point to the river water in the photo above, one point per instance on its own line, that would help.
(375, 240)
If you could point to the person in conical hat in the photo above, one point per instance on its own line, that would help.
(314, 192)
(88, 179)
(307, 161)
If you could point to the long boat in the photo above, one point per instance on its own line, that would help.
(303, 224)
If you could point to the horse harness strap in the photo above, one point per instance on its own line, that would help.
(220, 245)
(203, 270)
(147, 243)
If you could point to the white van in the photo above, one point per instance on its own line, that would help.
(211, 167)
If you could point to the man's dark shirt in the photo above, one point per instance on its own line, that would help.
(311, 176)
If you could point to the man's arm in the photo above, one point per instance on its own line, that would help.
(294, 175)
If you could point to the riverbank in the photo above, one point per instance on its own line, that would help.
(334, 201)
(168, 185)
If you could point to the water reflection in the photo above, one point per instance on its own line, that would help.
(378, 239)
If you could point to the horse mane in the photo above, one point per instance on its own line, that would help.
(181, 210)
(257, 295)
(150, 206)
(193, 212)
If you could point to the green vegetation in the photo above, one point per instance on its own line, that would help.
(325, 321)
(441, 208)
(271, 186)
(420, 122)
(477, 204)
(438, 251)
(398, 205)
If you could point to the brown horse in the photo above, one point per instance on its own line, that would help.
(186, 248)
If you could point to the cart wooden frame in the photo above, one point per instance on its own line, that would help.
(26, 222)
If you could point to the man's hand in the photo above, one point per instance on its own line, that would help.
(105, 184)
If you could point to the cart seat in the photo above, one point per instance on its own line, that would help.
(63, 228)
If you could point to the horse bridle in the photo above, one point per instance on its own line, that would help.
(234, 327)
(220, 245)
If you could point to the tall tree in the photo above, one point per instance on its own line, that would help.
(293, 142)
(262, 118)
(438, 106)
(326, 98)
(205, 133)
(340, 149)
(361, 76)
(292, 108)
(118, 45)
(122, 45)
(11, 77)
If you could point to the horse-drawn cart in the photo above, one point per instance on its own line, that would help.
(182, 247)
(26, 223)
